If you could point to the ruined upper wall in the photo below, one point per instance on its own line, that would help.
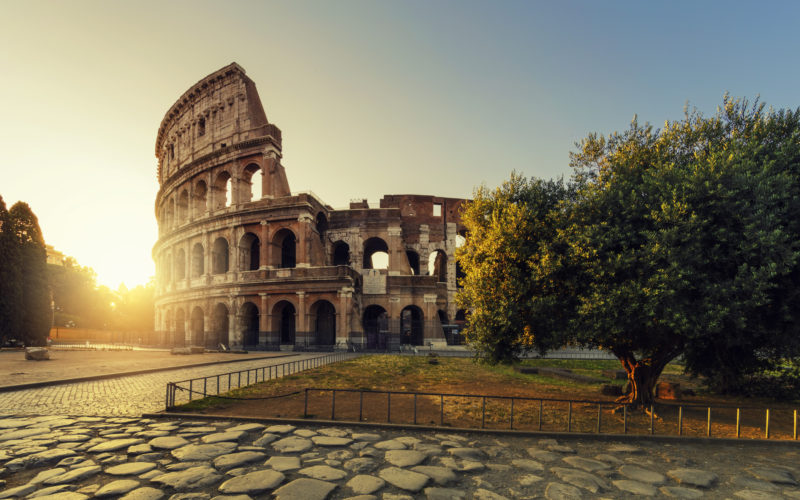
(218, 112)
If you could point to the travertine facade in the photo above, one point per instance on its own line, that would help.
(242, 261)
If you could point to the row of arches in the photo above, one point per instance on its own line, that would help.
(249, 249)
(218, 328)
(376, 256)
(199, 197)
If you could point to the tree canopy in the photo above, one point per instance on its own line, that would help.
(682, 241)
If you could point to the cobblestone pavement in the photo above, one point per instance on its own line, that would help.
(128, 395)
(73, 458)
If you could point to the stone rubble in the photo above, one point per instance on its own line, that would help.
(63, 458)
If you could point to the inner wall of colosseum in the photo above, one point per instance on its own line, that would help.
(242, 262)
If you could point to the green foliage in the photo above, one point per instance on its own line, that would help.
(506, 229)
(34, 312)
(684, 240)
(10, 278)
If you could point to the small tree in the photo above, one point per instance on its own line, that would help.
(35, 314)
(680, 241)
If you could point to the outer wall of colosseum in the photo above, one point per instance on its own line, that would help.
(242, 261)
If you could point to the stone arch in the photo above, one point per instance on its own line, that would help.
(198, 260)
(284, 254)
(413, 261)
(323, 321)
(283, 321)
(412, 327)
(249, 252)
(198, 327)
(372, 247)
(341, 254)
(253, 181)
(180, 264)
(220, 333)
(219, 256)
(248, 323)
(222, 190)
(437, 265)
(199, 198)
(179, 338)
(183, 206)
(375, 323)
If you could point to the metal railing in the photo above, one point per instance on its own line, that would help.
(185, 391)
(543, 414)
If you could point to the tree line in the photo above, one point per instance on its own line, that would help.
(35, 295)
(676, 242)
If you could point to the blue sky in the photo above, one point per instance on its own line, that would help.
(373, 97)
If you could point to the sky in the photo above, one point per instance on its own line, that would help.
(373, 97)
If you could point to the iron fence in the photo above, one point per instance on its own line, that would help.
(185, 391)
(543, 414)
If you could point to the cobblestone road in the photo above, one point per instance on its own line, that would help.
(123, 396)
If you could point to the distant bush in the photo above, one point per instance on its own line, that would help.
(781, 382)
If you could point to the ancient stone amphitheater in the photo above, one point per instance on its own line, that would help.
(242, 261)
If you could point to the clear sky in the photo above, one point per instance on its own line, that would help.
(373, 96)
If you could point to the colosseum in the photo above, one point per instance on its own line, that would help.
(244, 262)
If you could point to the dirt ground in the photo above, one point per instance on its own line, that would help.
(16, 370)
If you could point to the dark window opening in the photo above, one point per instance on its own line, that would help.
(413, 261)
(341, 254)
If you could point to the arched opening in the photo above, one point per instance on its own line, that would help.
(198, 327)
(253, 176)
(183, 206)
(341, 254)
(220, 326)
(411, 326)
(285, 242)
(179, 340)
(283, 318)
(199, 198)
(376, 254)
(442, 317)
(456, 337)
(180, 264)
(413, 261)
(323, 317)
(376, 327)
(249, 252)
(198, 268)
(222, 190)
(249, 324)
(322, 226)
(219, 256)
(437, 265)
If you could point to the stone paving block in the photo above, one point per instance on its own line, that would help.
(305, 489)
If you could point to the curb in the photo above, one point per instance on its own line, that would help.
(497, 432)
(34, 385)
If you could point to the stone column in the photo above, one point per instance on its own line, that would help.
(303, 253)
(398, 263)
(263, 317)
(301, 317)
(265, 252)
(343, 316)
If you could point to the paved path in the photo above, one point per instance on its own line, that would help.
(128, 395)
(146, 459)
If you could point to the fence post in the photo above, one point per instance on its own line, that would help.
(680, 420)
(541, 403)
(738, 423)
(599, 416)
(166, 397)
(305, 404)
(652, 418)
(794, 434)
(569, 416)
(708, 423)
(205, 385)
(217, 385)
(766, 426)
(625, 419)
(190, 389)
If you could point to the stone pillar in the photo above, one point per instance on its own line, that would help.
(343, 316)
(263, 317)
(301, 320)
(234, 329)
(303, 253)
(266, 253)
(397, 255)
(207, 256)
